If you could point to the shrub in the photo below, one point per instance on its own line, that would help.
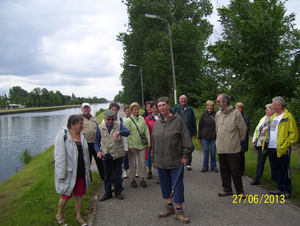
(99, 112)
(26, 157)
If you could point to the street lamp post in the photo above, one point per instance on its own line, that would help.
(171, 51)
(134, 65)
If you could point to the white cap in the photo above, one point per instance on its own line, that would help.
(85, 104)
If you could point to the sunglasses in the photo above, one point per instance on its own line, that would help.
(110, 119)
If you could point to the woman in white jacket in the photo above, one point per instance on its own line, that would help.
(72, 167)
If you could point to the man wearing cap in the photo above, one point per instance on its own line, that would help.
(90, 125)
(109, 147)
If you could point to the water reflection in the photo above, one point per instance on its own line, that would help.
(35, 131)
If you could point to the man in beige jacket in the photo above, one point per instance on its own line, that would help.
(231, 131)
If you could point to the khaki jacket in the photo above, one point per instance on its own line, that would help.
(109, 144)
(90, 128)
(231, 130)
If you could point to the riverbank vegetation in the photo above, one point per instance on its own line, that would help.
(29, 196)
(39, 97)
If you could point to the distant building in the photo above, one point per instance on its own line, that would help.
(12, 106)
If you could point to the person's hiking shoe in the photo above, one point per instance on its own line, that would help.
(133, 184)
(254, 183)
(119, 196)
(276, 192)
(143, 183)
(188, 167)
(168, 211)
(105, 197)
(215, 170)
(149, 175)
(203, 170)
(179, 215)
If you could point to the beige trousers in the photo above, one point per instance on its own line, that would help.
(140, 156)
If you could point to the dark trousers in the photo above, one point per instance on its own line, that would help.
(191, 158)
(242, 163)
(260, 165)
(97, 160)
(126, 162)
(230, 167)
(280, 168)
(109, 167)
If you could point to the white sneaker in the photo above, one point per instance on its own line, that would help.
(125, 174)
(136, 175)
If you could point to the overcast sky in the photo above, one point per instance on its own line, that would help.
(68, 45)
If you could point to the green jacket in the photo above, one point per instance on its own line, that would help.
(134, 139)
(287, 133)
(171, 142)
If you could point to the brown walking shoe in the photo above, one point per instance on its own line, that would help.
(133, 184)
(168, 211)
(179, 215)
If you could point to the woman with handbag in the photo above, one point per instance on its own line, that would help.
(258, 137)
(138, 141)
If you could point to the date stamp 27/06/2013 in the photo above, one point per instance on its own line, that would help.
(259, 199)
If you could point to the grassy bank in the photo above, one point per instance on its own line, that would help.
(29, 196)
(34, 109)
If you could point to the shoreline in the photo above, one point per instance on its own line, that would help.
(28, 110)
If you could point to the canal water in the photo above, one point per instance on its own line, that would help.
(35, 131)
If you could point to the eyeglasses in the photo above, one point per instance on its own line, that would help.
(110, 119)
(218, 101)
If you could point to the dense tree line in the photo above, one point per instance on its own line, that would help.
(256, 58)
(43, 98)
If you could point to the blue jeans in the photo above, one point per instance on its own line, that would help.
(148, 161)
(116, 166)
(212, 150)
(167, 178)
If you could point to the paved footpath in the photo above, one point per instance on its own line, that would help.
(202, 205)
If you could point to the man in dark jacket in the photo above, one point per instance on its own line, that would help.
(187, 114)
(245, 143)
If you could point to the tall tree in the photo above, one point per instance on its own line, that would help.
(17, 95)
(146, 43)
(257, 48)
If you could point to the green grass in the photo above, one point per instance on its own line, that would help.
(29, 196)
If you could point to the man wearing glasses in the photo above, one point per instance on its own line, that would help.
(109, 147)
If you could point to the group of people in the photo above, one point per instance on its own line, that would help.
(161, 139)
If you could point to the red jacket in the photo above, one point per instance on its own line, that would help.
(150, 121)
